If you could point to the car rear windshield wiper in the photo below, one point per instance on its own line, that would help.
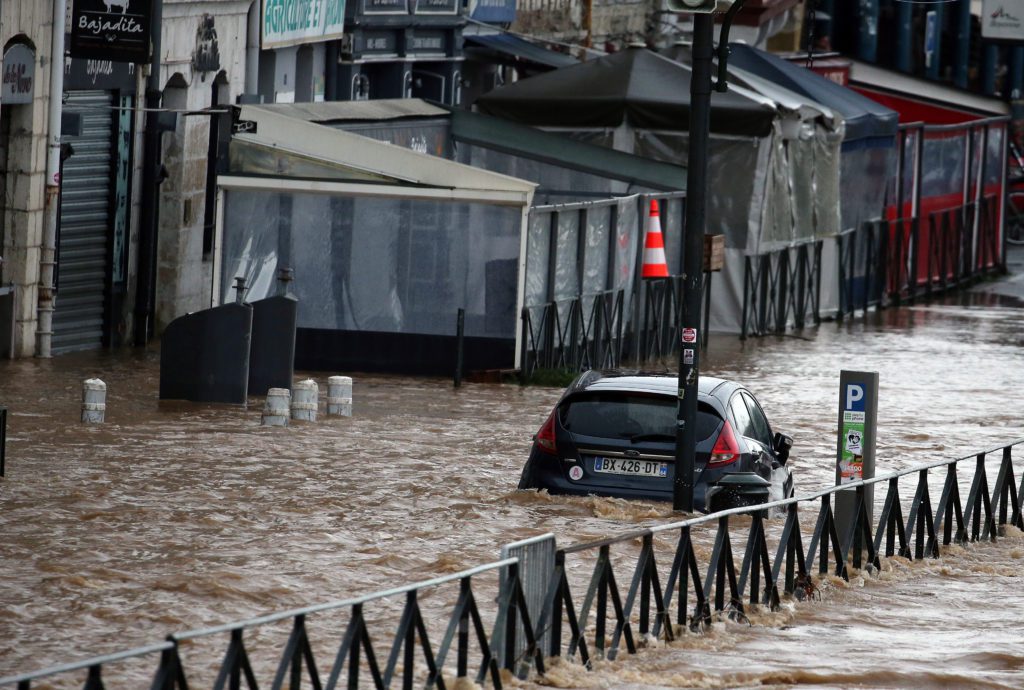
(652, 437)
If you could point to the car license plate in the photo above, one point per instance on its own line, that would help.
(640, 468)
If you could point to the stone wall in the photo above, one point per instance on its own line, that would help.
(184, 273)
(24, 177)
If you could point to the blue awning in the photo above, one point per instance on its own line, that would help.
(509, 44)
(864, 117)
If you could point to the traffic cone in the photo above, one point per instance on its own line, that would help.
(655, 264)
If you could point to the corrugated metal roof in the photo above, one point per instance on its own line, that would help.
(336, 111)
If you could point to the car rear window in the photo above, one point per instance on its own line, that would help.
(623, 415)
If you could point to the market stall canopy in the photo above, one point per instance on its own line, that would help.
(802, 106)
(552, 161)
(534, 144)
(863, 116)
(298, 148)
(635, 87)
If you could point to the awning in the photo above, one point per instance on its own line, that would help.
(863, 116)
(922, 100)
(634, 86)
(509, 44)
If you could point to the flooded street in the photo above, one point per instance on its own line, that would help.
(175, 516)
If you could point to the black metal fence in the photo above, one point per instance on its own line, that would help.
(584, 332)
(669, 592)
(887, 262)
(780, 289)
(656, 335)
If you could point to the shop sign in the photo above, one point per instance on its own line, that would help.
(376, 43)
(493, 11)
(105, 75)
(19, 75)
(292, 22)
(423, 42)
(1002, 20)
(436, 7)
(115, 30)
(385, 7)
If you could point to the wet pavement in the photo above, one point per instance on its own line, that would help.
(173, 516)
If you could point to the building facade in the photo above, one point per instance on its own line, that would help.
(25, 27)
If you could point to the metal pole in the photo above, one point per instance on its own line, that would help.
(149, 212)
(460, 331)
(904, 36)
(51, 216)
(867, 39)
(3, 439)
(696, 202)
(989, 64)
(962, 19)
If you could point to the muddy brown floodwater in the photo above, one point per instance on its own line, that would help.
(174, 516)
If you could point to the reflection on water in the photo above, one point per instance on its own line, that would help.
(176, 516)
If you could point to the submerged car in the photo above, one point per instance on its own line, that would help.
(614, 434)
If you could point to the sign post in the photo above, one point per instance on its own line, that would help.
(855, 444)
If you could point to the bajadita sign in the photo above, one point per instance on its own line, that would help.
(115, 30)
(18, 84)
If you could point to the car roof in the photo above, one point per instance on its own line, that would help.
(641, 382)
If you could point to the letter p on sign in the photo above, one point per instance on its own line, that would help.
(855, 397)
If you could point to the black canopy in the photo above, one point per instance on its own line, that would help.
(635, 86)
(864, 117)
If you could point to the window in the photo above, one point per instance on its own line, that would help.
(744, 427)
(623, 416)
(762, 432)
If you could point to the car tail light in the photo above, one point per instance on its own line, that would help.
(545, 438)
(726, 449)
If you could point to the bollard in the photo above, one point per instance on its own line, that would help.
(305, 397)
(275, 410)
(339, 396)
(94, 401)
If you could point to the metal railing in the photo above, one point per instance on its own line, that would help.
(780, 288)
(602, 619)
(580, 333)
(356, 657)
(657, 333)
(903, 259)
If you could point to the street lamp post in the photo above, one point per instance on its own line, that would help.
(693, 245)
(693, 248)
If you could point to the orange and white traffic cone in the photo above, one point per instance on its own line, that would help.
(655, 264)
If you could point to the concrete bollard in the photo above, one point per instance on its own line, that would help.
(305, 400)
(275, 410)
(339, 396)
(94, 401)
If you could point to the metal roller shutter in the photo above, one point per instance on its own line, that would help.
(85, 220)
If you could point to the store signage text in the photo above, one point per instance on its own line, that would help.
(111, 30)
(19, 75)
(290, 22)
